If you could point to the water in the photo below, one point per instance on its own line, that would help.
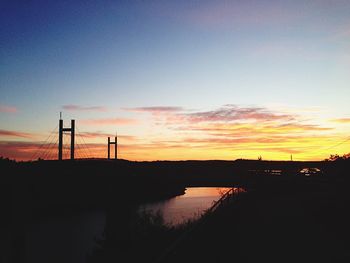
(70, 237)
(188, 206)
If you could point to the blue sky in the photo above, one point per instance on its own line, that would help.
(198, 55)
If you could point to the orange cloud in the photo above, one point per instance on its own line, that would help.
(18, 150)
(109, 121)
(341, 120)
(230, 113)
(188, 147)
(155, 109)
(8, 109)
(244, 131)
(252, 129)
(8, 133)
(26, 151)
(229, 132)
(227, 113)
(72, 107)
(105, 135)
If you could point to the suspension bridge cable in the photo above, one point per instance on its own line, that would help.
(85, 148)
(55, 144)
(65, 148)
(78, 152)
(37, 152)
(80, 148)
(51, 153)
(82, 152)
(52, 146)
(46, 149)
(84, 143)
(47, 144)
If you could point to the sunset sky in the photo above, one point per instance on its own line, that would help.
(177, 79)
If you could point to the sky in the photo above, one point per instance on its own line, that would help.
(176, 80)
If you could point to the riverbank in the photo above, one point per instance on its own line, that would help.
(277, 223)
(280, 219)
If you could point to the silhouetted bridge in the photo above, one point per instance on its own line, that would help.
(58, 146)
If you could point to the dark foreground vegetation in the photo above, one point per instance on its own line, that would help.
(142, 239)
(284, 216)
(276, 223)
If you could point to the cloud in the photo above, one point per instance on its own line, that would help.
(341, 120)
(18, 150)
(227, 113)
(155, 109)
(225, 132)
(246, 129)
(95, 134)
(105, 135)
(284, 150)
(8, 109)
(235, 14)
(230, 113)
(243, 130)
(228, 14)
(72, 107)
(24, 151)
(295, 127)
(9, 133)
(109, 121)
(230, 119)
(251, 140)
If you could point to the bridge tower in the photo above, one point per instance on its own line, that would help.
(115, 147)
(61, 131)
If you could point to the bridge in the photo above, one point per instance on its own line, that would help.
(68, 143)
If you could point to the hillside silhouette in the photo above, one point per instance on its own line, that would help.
(283, 212)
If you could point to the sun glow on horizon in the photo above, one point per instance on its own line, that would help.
(226, 133)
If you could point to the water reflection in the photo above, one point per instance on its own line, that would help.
(188, 206)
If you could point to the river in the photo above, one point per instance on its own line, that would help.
(188, 206)
(70, 237)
